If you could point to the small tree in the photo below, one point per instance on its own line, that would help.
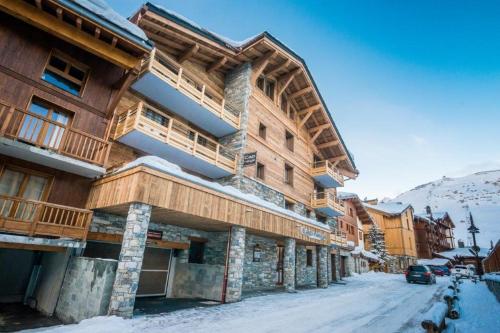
(377, 240)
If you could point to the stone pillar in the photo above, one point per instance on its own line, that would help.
(322, 267)
(289, 265)
(130, 261)
(235, 264)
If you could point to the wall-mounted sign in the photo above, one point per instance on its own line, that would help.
(154, 234)
(312, 233)
(249, 159)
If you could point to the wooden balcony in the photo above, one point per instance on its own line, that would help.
(326, 174)
(51, 136)
(173, 140)
(170, 85)
(338, 238)
(36, 218)
(327, 203)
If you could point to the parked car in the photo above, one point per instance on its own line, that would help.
(445, 269)
(420, 273)
(463, 271)
(437, 270)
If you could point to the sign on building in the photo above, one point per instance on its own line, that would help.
(249, 159)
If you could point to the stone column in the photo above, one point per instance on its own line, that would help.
(130, 261)
(289, 265)
(235, 264)
(322, 267)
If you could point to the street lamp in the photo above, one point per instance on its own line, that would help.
(473, 230)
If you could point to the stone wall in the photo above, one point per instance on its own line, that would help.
(86, 289)
(322, 267)
(305, 275)
(235, 264)
(260, 275)
(198, 281)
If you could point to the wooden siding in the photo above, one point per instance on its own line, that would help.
(350, 219)
(170, 194)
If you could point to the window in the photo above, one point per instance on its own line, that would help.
(284, 104)
(351, 213)
(308, 213)
(45, 126)
(196, 251)
(289, 140)
(309, 257)
(321, 218)
(289, 205)
(288, 174)
(267, 86)
(262, 131)
(341, 224)
(360, 235)
(261, 171)
(64, 73)
(155, 116)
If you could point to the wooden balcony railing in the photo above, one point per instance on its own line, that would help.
(338, 238)
(32, 128)
(320, 168)
(30, 217)
(326, 199)
(181, 79)
(175, 133)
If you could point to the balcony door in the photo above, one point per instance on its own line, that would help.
(17, 186)
(43, 126)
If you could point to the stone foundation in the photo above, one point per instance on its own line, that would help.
(260, 275)
(305, 275)
(323, 267)
(289, 259)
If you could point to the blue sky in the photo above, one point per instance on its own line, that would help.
(413, 86)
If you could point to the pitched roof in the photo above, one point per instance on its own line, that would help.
(389, 208)
(462, 252)
(360, 209)
(239, 46)
(101, 13)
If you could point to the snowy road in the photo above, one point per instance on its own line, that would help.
(372, 302)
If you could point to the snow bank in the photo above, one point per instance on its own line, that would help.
(162, 165)
(492, 277)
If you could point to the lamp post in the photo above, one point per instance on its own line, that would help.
(473, 230)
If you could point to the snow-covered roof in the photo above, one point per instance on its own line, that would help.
(366, 254)
(346, 195)
(423, 217)
(462, 252)
(101, 13)
(162, 165)
(390, 208)
(434, 261)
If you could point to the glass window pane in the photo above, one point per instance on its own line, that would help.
(10, 182)
(61, 82)
(39, 109)
(76, 73)
(57, 63)
(34, 188)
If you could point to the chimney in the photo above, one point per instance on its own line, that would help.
(461, 244)
(428, 210)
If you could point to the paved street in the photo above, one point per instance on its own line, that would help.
(373, 302)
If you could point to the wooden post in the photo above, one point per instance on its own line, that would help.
(202, 94)
(195, 142)
(222, 108)
(36, 218)
(217, 154)
(106, 155)
(169, 130)
(6, 122)
(179, 76)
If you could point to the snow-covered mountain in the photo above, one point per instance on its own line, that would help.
(478, 193)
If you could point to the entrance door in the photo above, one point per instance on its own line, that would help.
(279, 268)
(342, 266)
(154, 274)
(19, 183)
(334, 267)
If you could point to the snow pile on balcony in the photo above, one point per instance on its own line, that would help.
(434, 262)
(162, 165)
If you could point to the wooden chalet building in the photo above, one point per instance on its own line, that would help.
(63, 68)
(396, 222)
(433, 233)
(203, 168)
(354, 258)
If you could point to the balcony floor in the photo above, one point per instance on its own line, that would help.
(152, 146)
(327, 181)
(328, 211)
(153, 87)
(49, 158)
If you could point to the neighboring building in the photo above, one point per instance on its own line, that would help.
(433, 233)
(491, 263)
(198, 169)
(465, 256)
(353, 256)
(396, 221)
(63, 68)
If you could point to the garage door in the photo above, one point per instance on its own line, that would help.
(154, 274)
(155, 266)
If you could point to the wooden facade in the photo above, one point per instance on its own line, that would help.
(57, 83)
(433, 234)
(180, 202)
(397, 227)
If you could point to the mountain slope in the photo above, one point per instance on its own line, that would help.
(479, 193)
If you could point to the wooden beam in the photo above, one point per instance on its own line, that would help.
(300, 92)
(306, 110)
(122, 85)
(71, 34)
(260, 64)
(306, 116)
(216, 65)
(284, 81)
(190, 52)
(31, 247)
(328, 144)
(278, 67)
(338, 158)
(319, 127)
(117, 239)
(316, 135)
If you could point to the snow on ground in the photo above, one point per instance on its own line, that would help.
(480, 311)
(372, 302)
(479, 193)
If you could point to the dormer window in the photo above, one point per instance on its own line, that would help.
(65, 73)
(267, 86)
